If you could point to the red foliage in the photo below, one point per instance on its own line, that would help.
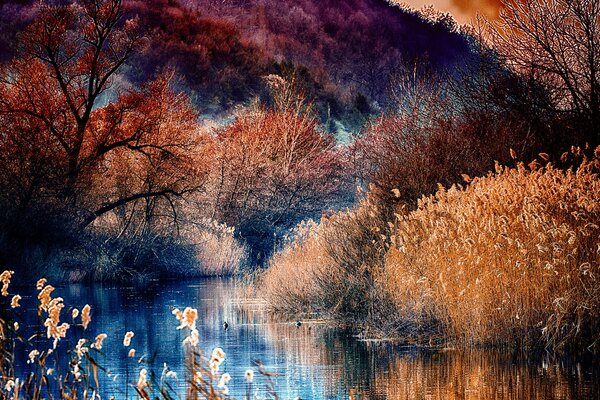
(60, 144)
(208, 51)
(275, 168)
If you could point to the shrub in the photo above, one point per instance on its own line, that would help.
(334, 269)
(217, 251)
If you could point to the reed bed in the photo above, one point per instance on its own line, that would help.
(510, 259)
(217, 251)
(334, 270)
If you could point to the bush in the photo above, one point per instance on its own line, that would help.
(217, 251)
(334, 270)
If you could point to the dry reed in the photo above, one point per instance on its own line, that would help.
(58, 369)
(512, 259)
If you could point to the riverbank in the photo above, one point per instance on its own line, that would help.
(509, 259)
(200, 250)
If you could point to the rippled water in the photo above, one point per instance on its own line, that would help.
(312, 361)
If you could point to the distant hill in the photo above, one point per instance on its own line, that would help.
(344, 51)
(357, 43)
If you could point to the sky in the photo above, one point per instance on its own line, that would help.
(462, 10)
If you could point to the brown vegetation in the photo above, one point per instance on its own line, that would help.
(512, 259)
(102, 179)
(274, 167)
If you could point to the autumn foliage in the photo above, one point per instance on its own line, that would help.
(89, 157)
(274, 167)
(108, 167)
(442, 251)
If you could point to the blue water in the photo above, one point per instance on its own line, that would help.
(312, 361)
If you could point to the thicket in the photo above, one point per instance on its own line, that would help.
(102, 178)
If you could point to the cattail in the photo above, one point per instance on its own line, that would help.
(85, 316)
(249, 375)
(564, 157)
(45, 296)
(192, 339)
(99, 341)
(214, 367)
(5, 279)
(187, 318)
(32, 355)
(225, 378)
(40, 283)
(143, 379)
(218, 353)
(171, 374)
(80, 349)
(178, 314)
(76, 371)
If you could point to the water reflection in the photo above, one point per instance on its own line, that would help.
(313, 361)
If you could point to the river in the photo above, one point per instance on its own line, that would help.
(311, 361)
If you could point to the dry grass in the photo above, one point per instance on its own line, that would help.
(512, 259)
(334, 270)
(218, 252)
(290, 282)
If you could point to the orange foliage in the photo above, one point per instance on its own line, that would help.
(91, 154)
(274, 167)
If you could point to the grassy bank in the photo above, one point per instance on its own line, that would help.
(511, 259)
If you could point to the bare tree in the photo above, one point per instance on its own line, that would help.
(556, 42)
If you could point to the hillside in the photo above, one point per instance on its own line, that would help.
(344, 51)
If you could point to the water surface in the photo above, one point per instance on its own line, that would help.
(312, 361)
